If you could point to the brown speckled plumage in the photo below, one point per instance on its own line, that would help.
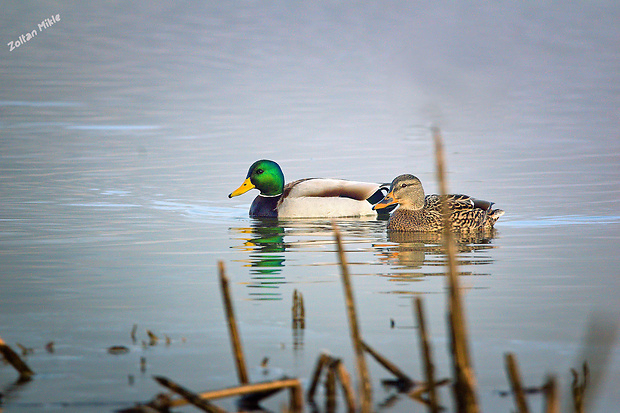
(418, 212)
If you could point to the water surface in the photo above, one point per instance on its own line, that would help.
(124, 127)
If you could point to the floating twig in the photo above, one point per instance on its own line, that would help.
(515, 383)
(134, 330)
(464, 379)
(365, 389)
(116, 350)
(235, 339)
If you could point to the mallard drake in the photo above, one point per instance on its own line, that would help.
(307, 198)
(417, 212)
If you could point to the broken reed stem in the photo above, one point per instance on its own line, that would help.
(247, 389)
(25, 373)
(365, 389)
(579, 388)
(330, 390)
(321, 362)
(297, 398)
(552, 401)
(515, 383)
(329, 363)
(391, 367)
(188, 395)
(429, 368)
(424, 387)
(298, 310)
(464, 380)
(345, 382)
(232, 327)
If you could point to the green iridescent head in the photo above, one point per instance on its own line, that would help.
(264, 175)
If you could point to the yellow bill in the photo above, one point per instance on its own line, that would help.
(245, 187)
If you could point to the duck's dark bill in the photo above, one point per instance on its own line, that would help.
(245, 187)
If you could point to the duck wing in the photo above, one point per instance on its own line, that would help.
(466, 211)
(321, 187)
(456, 202)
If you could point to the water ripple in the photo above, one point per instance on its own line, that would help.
(561, 220)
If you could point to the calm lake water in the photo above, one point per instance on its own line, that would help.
(124, 126)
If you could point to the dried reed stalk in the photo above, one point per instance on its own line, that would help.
(465, 381)
(345, 382)
(365, 389)
(188, 395)
(579, 388)
(335, 366)
(298, 310)
(235, 339)
(323, 360)
(552, 400)
(515, 383)
(391, 367)
(297, 398)
(25, 373)
(429, 368)
(330, 390)
(295, 384)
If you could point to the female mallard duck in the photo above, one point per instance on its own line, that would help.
(417, 212)
(307, 198)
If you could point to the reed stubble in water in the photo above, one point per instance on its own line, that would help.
(464, 378)
(429, 368)
(335, 368)
(514, 376)
(365, 388)
(235, 339)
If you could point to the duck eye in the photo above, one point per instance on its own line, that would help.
(403, 185)
(259, 171)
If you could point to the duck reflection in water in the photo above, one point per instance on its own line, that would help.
(422, 251)
(264, 242)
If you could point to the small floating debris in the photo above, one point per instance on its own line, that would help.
(49, 347)
(117, 350)
(25, 350)
(153, 339)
